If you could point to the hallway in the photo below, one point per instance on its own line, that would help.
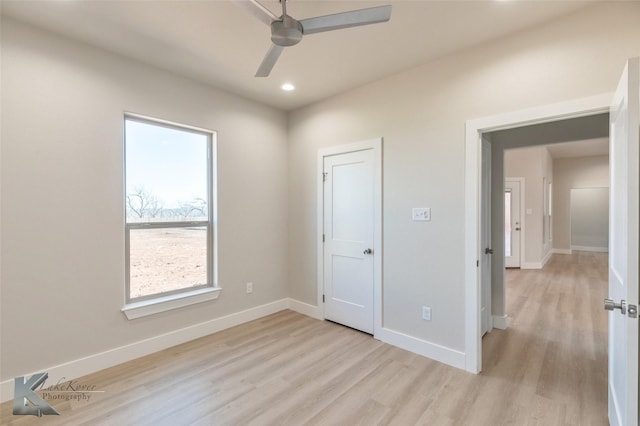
(555, 347)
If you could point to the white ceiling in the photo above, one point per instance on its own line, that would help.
(584, 148)
(219, 43)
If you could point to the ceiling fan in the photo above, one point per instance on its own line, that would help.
(287, 31)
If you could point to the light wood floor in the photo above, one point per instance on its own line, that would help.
(548, 368)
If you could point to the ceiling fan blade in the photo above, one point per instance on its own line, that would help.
(338, 21)
(257, 10)
(269, 61)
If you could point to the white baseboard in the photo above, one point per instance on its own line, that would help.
(587, 248)
(305, 309)
(547, 257)
(413, 344)
(93, 363)
(531, 265)
(90, 364)
(561, 251)
(422, 347)
(499, 321)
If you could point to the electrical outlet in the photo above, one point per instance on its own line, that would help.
(249, 288)
(426, 313)
(421, 214)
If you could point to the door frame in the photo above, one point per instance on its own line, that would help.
(473, 214)
(376, 146)
(522, 183)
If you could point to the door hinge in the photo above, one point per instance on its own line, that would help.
(323, 238)
(324, 176)
(477, 263)
(323, 298)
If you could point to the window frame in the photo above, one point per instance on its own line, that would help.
(143, 305)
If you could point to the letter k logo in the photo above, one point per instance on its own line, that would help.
(26, 401)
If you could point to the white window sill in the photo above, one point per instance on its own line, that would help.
(166, 303)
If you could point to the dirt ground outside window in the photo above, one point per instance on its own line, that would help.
(167, 259)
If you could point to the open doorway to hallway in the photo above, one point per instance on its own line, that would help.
(550, 159)
(551, 309)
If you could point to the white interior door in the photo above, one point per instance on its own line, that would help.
(485, 314)
(623, 247)
(512, 223)
(349, 239)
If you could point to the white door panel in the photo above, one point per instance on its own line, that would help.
(623, 247)
(349, 232)
(485, 310)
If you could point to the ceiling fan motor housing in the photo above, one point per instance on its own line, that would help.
(286, 31)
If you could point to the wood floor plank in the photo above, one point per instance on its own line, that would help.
(548, 368)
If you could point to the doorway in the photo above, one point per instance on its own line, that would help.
(531, 140)
(513, 200)
(475, 135)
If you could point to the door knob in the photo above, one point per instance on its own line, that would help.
(368, 251)
(610, 305)
(488, 251)
(517, 229)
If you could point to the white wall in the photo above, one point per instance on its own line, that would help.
(590, 219)
(569, 173)
(62, 265)
(421, 114)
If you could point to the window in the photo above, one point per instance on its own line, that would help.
(170, 210)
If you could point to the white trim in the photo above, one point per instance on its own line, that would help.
(142, 117)
(474, 129)
(96, 362)
(547, 257)
(531, 265)
(306, 309)
(472, 242)
(588, 248)
(430, 350)
(92, 363)
(167, 303)
(561, 251)
(376, 145)
(500, 322)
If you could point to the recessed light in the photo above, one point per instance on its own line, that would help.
(287, 87)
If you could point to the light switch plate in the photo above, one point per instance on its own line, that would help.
(426, 313)
(421, 213)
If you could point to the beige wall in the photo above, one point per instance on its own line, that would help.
(590, 219)
(62, 265)
(421, 114)
(582, 172)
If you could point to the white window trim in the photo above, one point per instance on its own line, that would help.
(166, 303)
(155, 305)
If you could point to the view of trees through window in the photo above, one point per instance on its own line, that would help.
(142, 204)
